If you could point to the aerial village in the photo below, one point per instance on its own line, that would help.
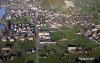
(18, 27)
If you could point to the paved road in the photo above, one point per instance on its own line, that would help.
(37, 37)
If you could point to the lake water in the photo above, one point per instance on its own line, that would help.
(1, 26)
(2, 12)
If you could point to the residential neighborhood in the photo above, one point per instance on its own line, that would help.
(49, 31)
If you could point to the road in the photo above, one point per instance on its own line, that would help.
(36, 30)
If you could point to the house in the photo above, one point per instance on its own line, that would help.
(72, 48)
(30, 34)
(16, 37)
(4, 39)
(22, 39)
(98, 26)
(44, 34)
(47, 42)
(33, 50)
(30, 38)
(23, 31)
(53, 26)
(8, 17)
(6, 48)
(79, 33)
(11, 39)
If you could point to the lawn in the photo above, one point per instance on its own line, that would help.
(94, 8)
(55, 5)
(83, 4)
(23, 59)
(72, 37)
(52, 59)
(23, 45)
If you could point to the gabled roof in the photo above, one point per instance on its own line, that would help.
(71, 45)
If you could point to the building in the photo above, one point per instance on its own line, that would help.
(44, 35)
(11, 39)
(22, 39)
(4, 39)
(47, 42)
(6, 48)
(30, 38)
(72, 48)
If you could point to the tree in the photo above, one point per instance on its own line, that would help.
(30, 61)
(95, 60)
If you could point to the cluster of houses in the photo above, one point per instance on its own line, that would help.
(53, 19)
(44, 37)
(57, 19)
(73, 48)
(93, 33)
(44, 34)
(20, 32)
(8, 52)
(17, 9)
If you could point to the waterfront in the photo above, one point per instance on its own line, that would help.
(2, 12)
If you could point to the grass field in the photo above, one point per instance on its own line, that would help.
(73, 38)
(77, 39)
(89, 7)
(23, 45)
(83, 4)
(23, 59)
(55, 5)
